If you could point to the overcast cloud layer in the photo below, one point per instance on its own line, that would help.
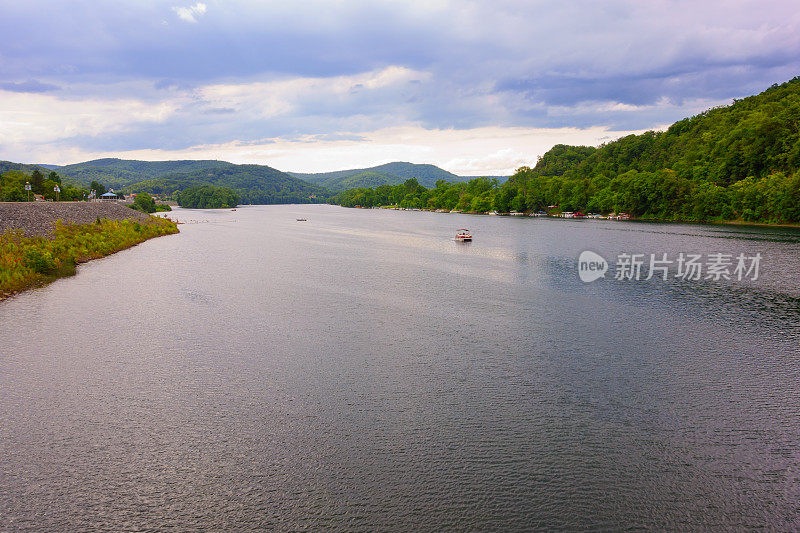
(474, 87)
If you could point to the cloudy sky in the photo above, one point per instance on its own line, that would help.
(476, 87)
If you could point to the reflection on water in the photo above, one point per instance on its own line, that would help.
(363, 371)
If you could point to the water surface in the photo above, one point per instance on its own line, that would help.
(362, 371)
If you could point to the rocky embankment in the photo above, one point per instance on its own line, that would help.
(39, 218)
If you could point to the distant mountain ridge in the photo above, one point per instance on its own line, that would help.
(27, 168)
(255, 184)
(386, 174)
(120, 173)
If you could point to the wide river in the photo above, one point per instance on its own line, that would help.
(362, 371)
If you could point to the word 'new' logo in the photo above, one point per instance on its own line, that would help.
(591, 266)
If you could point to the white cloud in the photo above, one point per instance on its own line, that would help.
(271, 98)
(190, 14)
(31, 119)
(304, 124)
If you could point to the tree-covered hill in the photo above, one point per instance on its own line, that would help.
(387, 174)
(120, 173)
(740, 161)
(755, 136)
(5, 166)
(737, 162)
(254, 184)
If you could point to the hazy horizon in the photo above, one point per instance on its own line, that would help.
(288, 171)
(475, 88)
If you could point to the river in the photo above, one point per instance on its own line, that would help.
(361, 371)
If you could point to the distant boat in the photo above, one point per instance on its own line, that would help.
(301, 219)
(463, 235)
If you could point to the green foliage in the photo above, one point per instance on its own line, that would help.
(475, 195)
(12, 186)
(144, 203)
(254, 184)
(98, 188)
(740, 162)
(388, 174)
(29, 261)
(120, 173)
(39, 261)
(37, 181)
(206, 197)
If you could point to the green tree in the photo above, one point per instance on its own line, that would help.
(98, 188)
(208, 196)
(482, 203)
(37, 182)
(144, 203)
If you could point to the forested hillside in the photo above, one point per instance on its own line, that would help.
(388, 174)
(254, 184)
(120, 173)
(737, 162)
(25, 168)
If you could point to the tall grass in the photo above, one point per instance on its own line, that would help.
(29, 261)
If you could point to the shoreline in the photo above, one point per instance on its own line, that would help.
(653, 220)
(40, 248)
(38, 219)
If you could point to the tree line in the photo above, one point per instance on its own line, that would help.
(12, 187)
(207, 197)
(659, 195)
(738, 162)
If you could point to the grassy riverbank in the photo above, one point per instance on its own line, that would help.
(27, 262)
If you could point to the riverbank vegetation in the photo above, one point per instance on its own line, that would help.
(738, 162)
(146, 204)
(207, 197)
(12, 186)
(31, 261)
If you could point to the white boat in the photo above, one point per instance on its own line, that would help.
(463, 235)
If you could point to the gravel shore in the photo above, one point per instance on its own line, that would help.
(39, 218)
